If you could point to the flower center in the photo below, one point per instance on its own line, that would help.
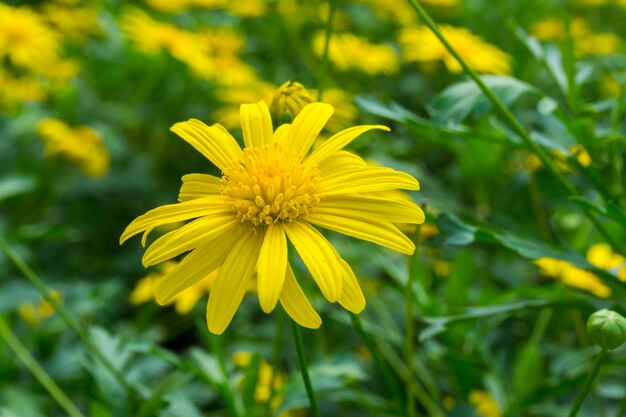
(269, 184)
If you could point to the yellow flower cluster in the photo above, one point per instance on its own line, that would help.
(268, 383)
(586, 41)
(242, 8)
(533, 163)
(31, 56)
(81, 145)
(211, 54)
(35, 314)
(422, 46)
(599, 255)
(350, 52)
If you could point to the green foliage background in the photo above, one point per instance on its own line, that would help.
(485, 318)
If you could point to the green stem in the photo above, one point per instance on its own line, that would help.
(617, 163)
(516, 125)
(276, 353)
(389, 382)
(37, 371)
(227, 391)
(332, 4)
(64, 313)
(409, 335)
(304, 370)
(592, 376)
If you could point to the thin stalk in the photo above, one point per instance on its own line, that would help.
(229, 396)
(592, 376)
(276, 354)
(617, 164)
(332, 5)
(304, 370)
(64, 313)
(390, 384)
(409, 334)
(38, 372)
(516, 125)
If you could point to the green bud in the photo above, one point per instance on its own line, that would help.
(607, 329)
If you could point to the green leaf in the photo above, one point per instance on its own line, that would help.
(458, 101)
(15, 185)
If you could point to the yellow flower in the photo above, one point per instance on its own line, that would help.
(34, 315)
(586, 41)
(270, 192)
(184, 302)
(75, 23)
(16, 90)
(80, 144)
(289, 99)
(599, 255)
(25, 39)
(347, 52)
(484, 404)
(422, 46)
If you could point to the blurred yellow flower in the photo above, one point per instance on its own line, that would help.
(484, 404)
(599, 255)
(75, 23)
(80, 144)
(184, 302)
(422, 46)
(210, 54)
(242, 8)
(533, 163)
(270, 192)
(268, 382)
(35, 314)
(350, 52)
(586, 41)
(26, 41)
(16, 90)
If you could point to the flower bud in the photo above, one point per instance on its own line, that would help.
(607, 329)
(289, 100)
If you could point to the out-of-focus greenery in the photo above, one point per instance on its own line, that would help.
(508, 266)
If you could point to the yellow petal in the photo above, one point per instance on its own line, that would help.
(365, 227)
(352, 298)
(197, 265)
(319, 256)
(173, 213)
(337, 142)
(296, 304)
(281, 133)
(198, 185)
(366, 180)
(306, 126)
(271, 267)
(214, 142)
(256, 124)
(232, 281)
(392, 210)
(188, 237)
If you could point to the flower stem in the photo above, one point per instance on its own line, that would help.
(332, 4)
(516, 125)
(37, 371)
(592, 376)
(304, 370)
(64, 313)
(390, 384)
